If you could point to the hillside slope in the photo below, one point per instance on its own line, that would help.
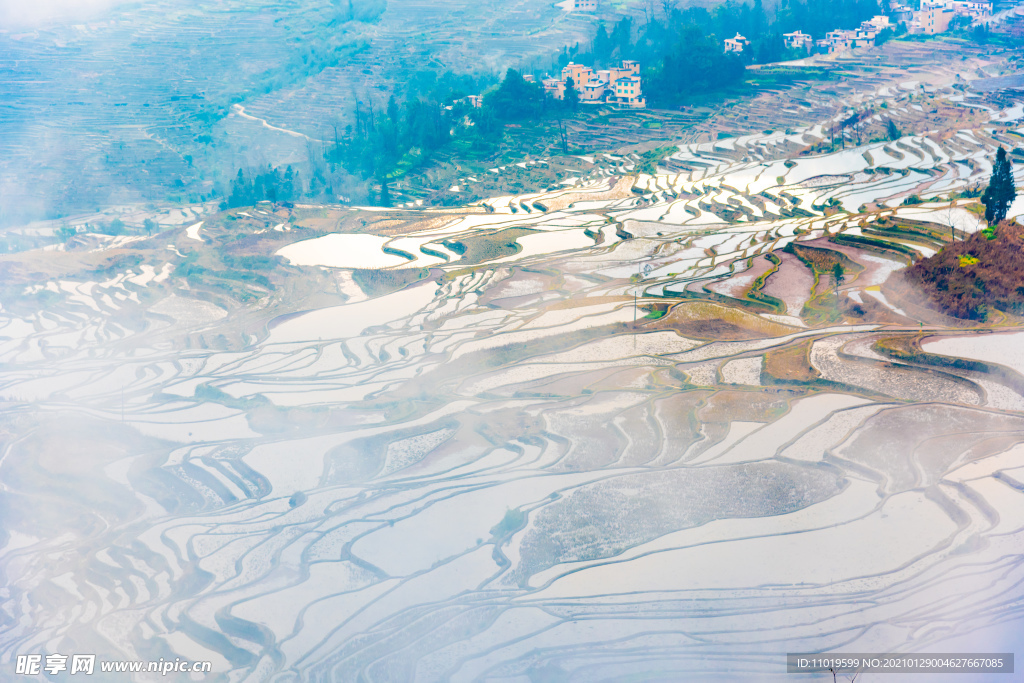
(967, 279)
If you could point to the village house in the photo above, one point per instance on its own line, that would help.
(620, 85)
(864, 35)
(837, 41)
(736, 44)
(873, 26)
(868, 30)
(977, 10)
(902, 14)
(932, 18)
(579, 74)
(475, 101)
(627, 91)
(935, 16)
(798, 40)
(554, 87)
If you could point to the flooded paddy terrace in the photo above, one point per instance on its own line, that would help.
(575, 434)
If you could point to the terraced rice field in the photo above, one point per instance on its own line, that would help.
(603, 435)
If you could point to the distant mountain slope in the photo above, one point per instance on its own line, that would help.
(135, 105)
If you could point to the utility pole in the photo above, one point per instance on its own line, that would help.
(635, 303)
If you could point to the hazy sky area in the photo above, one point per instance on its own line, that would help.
(25, 14)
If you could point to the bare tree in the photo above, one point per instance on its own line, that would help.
(950, 217)
(958, 219)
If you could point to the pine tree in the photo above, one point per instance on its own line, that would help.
(603, 45)
(288, 185)
(1001, 190)
(241, 191)
(385, 193)
(838, 277)
(892, 131)
(572, 96)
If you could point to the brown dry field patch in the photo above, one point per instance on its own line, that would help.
(791, 364)
(715, 330)
(704, 320)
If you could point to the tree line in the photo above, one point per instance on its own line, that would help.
(384, 145)
(265, 184)
(681, 51)
(682, 48)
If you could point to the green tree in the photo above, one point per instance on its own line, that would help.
(892, 131)
(572, 96)
(266, 184)
(603, 46)
(241, 190)
(1001, 190)
(694, 66)
(288, 185)
(115, 228)
(515, 99)
(622, 37)
(838, 275)
(770, 48)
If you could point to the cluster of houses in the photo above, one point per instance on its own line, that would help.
(864, 35)
(619, 85)
(935, 16)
